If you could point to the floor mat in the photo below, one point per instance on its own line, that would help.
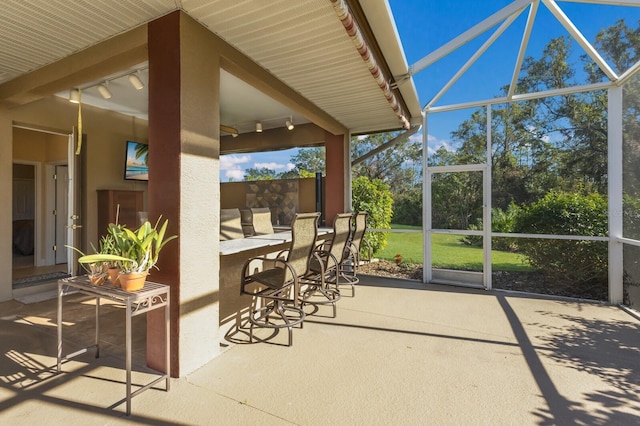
(27, 281)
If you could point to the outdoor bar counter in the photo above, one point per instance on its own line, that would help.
(233, 255)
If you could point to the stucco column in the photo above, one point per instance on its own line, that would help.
(335, 177)
(184, 187)
(6, 186)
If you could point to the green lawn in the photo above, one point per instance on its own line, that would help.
(448, 252)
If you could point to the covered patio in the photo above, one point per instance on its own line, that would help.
(398, 353)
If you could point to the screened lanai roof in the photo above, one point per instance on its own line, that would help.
(305, 44)
(474, 65)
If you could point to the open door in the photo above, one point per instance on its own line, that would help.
(74, 223)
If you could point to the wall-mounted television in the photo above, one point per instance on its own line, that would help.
(135, 167)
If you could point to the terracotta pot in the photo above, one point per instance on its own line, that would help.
(132, 281)
(113, 275)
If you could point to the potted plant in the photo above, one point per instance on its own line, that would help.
(134, 252)
(97, 270)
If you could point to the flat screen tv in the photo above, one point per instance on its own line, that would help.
(135, 167)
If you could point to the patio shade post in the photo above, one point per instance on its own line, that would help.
(184, 187)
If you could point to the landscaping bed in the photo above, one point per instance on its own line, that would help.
(529, 282)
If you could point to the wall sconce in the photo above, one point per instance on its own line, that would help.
(289, 123)
(104, 90)
(74, 96)
(259, 127)
(135, 81)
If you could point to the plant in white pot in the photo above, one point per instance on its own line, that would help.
(134, 252)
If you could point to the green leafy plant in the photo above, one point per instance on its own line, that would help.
(133, 251)
(374, 197)
(501, 221)
(97, 270)
(579, 266)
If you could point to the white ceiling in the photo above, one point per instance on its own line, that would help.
(302, 42)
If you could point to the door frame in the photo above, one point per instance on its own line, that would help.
(486, 233)
(49, 203)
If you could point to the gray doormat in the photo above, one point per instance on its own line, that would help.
(28, 281)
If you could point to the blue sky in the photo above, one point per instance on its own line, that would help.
(425, 25)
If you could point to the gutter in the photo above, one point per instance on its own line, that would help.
(352, 28)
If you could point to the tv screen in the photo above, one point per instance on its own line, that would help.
(135, 167)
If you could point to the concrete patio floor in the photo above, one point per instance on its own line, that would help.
(397, 353)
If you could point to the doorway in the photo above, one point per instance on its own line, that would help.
(23, 215)
(38, 158)
(468, 186)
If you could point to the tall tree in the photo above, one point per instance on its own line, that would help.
(309, 161)
(260, 174)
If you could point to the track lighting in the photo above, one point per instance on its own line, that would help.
(104, 90)
(259, 127)
(74, 96)
(135, 81)
(289, 123)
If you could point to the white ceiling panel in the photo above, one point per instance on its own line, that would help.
(301, 42)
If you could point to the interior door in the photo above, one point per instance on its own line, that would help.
(61, 213)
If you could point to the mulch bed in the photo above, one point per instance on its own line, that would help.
(529, 282)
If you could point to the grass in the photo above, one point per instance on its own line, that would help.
(448, 252)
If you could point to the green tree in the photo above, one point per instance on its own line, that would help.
(260, 174)
(407, 207)
(398, 166)
(308, 161)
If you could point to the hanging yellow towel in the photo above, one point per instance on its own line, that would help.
(79, 122)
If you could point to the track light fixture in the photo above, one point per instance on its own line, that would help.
(74, 96)
(259, 127)
(289, 123)
(135, 81)
(104, 90)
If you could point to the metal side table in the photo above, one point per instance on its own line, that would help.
(151, 296)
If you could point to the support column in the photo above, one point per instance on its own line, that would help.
(6, 187)
(184, 187)
(335, 176)
(615, 167)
